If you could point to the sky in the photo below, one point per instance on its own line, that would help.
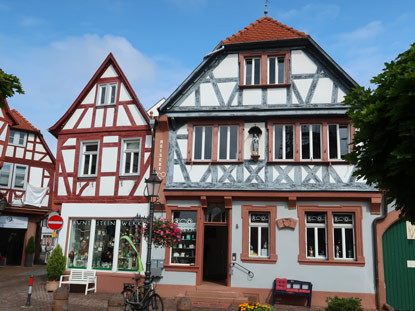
(55, 47)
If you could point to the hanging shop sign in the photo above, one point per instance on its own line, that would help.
(15, 222)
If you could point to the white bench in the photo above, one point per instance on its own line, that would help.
(82, 277)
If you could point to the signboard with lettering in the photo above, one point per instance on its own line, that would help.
(13, 222)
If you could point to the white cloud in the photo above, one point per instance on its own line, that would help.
(310, 12)
(369, 31)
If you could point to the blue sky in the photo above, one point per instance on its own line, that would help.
(55, 47)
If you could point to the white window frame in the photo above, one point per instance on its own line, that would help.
(338, 143)
(82, 158)
(284, 142)
(15, 166)
(310, 133)
(10, 174)
(343, 228)
(252, 71)
(276, 71)
(123, 156)
(107, 87)
(259, 225)
(15, 141)
(203, 142)
(228, 142)
(316, 226)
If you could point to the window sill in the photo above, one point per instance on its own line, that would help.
(173, 267)
(271, 260)
(129, 176)
(215, 162)
(17, 145)
(360, 262)
(254, 86)
(87, 177)
(105, 106)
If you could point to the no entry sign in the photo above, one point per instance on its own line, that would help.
(55, 222)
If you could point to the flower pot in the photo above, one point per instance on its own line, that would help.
(28, 260)
(52, 286)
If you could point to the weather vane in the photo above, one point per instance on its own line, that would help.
(266, 7)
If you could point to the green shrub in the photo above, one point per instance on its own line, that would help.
(343, 304)
(56, 264)
(30, 246)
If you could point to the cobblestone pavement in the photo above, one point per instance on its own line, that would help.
(14, 281)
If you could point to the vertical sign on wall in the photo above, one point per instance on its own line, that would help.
(410, 231)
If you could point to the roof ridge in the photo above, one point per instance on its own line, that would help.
(33, 128)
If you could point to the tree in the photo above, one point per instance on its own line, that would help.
(9, 85)
(384, 142)
(56, 264)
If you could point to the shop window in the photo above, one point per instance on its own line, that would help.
(19, 177)
(338, 141)
(130, 158)
(228, 142)
(258, 234)
(129, 246)
(185, 251)
(311, 142)
(331, 235)
(5, 175)
(79, 244)
(17, 138)
(104, 244)
(107, 94)
(284, 142)
(89, 159)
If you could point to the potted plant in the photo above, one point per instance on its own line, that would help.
(55, 268)
(30, 249)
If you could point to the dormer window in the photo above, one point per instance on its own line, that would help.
(107, 94)
(17, 138)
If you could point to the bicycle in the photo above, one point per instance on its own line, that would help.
(141, 298)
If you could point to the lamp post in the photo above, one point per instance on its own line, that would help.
(151, 192)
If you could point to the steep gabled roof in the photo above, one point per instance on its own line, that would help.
(110, 60)
(22, 123)
(264, 29)
(6, 109)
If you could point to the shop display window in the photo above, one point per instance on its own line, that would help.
(130, 246)
(104, 244)
(79, 244)
(185, 250)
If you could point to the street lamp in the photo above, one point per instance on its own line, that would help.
(151, 192)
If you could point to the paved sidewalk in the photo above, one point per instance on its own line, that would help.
(14, 281)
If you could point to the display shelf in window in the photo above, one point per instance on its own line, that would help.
(129, 246)
(185, 250)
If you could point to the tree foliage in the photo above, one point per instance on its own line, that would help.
(56, 264)
(384, 142)
(9, 85)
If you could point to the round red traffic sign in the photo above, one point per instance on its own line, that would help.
(55, 222)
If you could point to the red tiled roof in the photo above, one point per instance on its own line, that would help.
(264, 29)
(23, 124)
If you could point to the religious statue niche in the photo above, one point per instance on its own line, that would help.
(255, 133)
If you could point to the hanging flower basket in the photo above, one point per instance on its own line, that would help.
(165, 233)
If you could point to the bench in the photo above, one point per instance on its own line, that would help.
(81, 277)
(293, 288)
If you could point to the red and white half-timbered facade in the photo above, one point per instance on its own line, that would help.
(103, 156)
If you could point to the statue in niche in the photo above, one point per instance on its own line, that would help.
(255, 144)
(256, 132)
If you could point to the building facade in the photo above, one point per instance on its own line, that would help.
(26, 183)
(251, 148)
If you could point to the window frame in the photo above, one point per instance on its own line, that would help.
(13, 184)
(283, 142)
(343, 227)
(228, 142)
(330, 210)
(316, 226)
(82, 158)
(123, 156)
(245, 214)
(338, 142)
(311, 142)
(264, 68)
(203, 143)
(215, 140)
(14, 143)
(10, 174)
(107, 87)
(259, 226)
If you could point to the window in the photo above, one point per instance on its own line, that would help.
(104, 244)
(107, 94)
(258, 234)
(228, 142)
(338, 138)
(17, 138)
(19, 177)
(5, 175)
(79, 244)
(129, 246)
(311, 142)
(185, 251)
(276, 70)
(203, 140)
(130, 162)
(89, 158)
(331, 235)
(252, 71)
(283, 142)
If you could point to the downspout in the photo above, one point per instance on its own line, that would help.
(375, 247)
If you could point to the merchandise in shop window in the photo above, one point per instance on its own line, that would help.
(185, 251)
(129, 247)
(104, 244)
(79, 244)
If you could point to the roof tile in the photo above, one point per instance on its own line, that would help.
(23, 124)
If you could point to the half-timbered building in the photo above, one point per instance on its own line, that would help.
(26, 183)
(103, 155)
(252, 148)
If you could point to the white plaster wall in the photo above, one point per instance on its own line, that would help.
(9, 151)
(124, 95)
(70, 142)
(31, 137)
(323, 91)
(248, 140)
(110, 139)
(29, 146)
(4, 133)
(138, 118)
(252, 97)
(276, 96)
(109, 121)
(70, 182)
(228, 67)
(148, 141)
(109, 73)
(301, 63)
(89, 190)
(47, 159)
(36, 176)
(340, 95)
(109, 159)
(86, 120)
(1, 149)
(303, 86)
(39, 148)
(107, 185)
(99, 117)
(90, 98)
(207, 95)
(189, 101)
(177, 174)
(226, 89)
(19, 152)
(125, 187)
(61, 186)
(182, 143)
(182, 130)
(1, 113)
(178, 277)
(73, 119)
(37, 156)
(196, 172)
(122, 118)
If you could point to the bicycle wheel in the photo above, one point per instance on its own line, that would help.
(155, 303)
(130, 296)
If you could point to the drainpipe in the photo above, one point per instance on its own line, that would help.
(384, 209)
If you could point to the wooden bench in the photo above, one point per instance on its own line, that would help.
(293, 288)
(81, 277)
